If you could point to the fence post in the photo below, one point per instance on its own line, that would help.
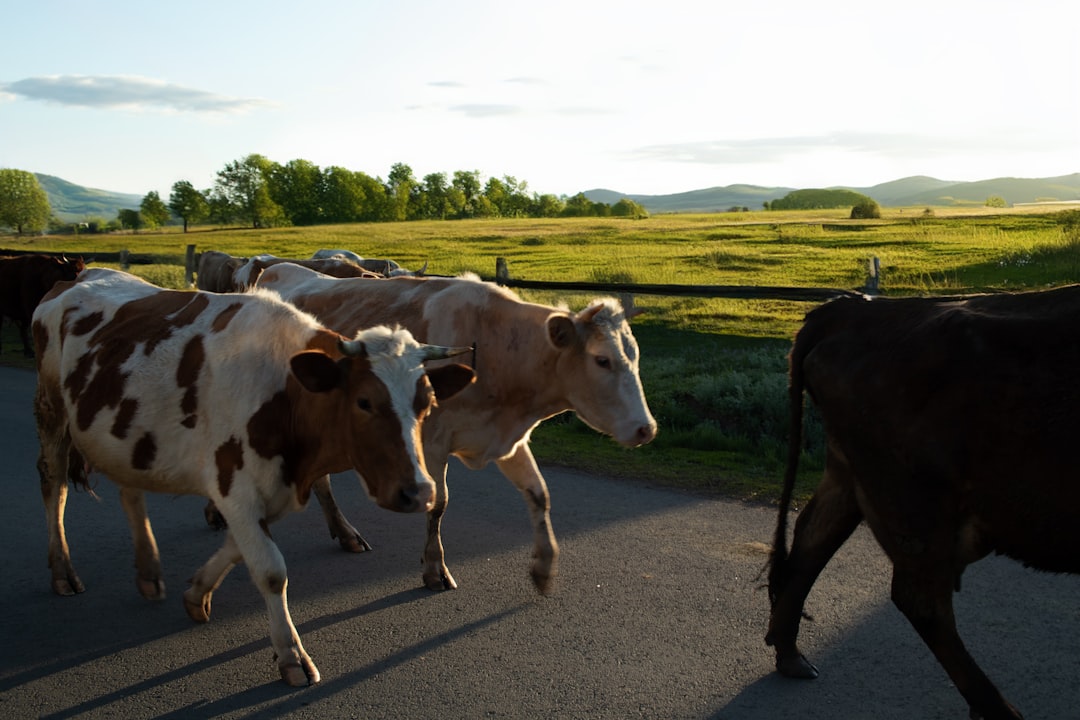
(189, 266)
(125, 265)
(502, 272)
(873, 282)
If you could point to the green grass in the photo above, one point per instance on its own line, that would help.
(714, 369)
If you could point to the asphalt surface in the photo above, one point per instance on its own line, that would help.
(658, 613)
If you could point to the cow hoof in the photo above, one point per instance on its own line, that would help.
(297, 675)
(68, 586)
(442, 581)
(151, 589)
(545, 584)
(354, 543)
(197, 607)
(796, 666)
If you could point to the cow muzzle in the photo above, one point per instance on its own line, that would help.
(414, 497)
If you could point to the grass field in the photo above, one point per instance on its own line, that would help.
(713, 369)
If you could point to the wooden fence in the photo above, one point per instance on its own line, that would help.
(126, 258)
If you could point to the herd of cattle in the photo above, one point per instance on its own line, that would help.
(948, 421)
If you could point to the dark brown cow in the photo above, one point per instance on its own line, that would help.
(24, 280)
(950, 427)
(215, 272)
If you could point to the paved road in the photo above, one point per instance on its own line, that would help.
(658, 614)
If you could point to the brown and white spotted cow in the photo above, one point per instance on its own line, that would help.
(240, 398)
(247, 274)
(532, 362)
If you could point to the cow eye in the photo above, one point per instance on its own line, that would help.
(364, 404)
(603, 362)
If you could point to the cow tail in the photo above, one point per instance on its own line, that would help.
(778, 559)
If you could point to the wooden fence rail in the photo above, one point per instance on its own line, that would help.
(502, 277)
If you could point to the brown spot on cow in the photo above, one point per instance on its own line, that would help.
(187, 375)
(142, 458)
(86, 324)
(124, 417)
(268, 433)
(229, 458)
(224, 317)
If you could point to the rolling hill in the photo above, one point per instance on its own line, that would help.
(75, 203)
(916, 190)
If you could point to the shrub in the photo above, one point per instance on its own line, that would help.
(865, 210)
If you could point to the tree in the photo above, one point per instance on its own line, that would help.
(243, 183)
(435, 197)
(188, 204)
(467, 183)
(626, 207)
(129, 219)
(403, 191)
(342, 198)
(996, 201)
(153, 210)
(296, 187)
(24, 205)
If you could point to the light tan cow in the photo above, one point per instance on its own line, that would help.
(240, 398)
(532, 362)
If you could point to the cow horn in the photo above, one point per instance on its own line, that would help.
(352, 348)
(439, 352)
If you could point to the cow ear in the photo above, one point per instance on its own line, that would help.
(316, 371)
(449, 380)
(561, 331)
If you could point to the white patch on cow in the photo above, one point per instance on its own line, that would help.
(397, 360)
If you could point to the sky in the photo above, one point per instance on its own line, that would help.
(639, 97)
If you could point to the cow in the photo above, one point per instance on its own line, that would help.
(216, 270)
(247, 274)
(950, 425)
(240, 398)
(533, 361)
(24, 280)
(386, 268)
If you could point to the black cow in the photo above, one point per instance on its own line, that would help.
(951, 427)
(24, 280)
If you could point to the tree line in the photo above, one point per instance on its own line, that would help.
(260, 193)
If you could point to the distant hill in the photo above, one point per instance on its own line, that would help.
(75, 203)
(916, 190)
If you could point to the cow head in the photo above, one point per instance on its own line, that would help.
(599, 360)
(385, 394)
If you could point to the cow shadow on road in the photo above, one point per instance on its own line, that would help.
(1020, 625)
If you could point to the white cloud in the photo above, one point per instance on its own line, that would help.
(123, 92)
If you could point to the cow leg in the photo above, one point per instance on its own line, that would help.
(28, 349)
(52, 470)
(148, 576)
(207, 579)
(923, 591)
(822, 527)
(249, 538)
(520, 467)
(436, 575)
(347, 536)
